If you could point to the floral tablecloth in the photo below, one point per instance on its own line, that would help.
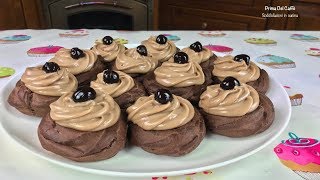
(270, 49)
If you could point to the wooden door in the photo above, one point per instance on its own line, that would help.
(11, 15)
(309, 15)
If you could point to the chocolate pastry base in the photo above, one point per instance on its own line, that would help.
(28, 102)
(261, 84)
(107, 64)
(207, 66)
(138, 77)
(192, 93)
(252, 123)
(128, 98)
(82, 146)
(86, 77)
(173, 142)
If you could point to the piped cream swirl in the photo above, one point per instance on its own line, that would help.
(74, 66)
(239, 101)
(91, 115)
(198, 57)
(171, 74)
(161, 52)
(226, 66)
(116, 89)
(130, 61)
(49, 84)
(147, 113)
(108, 52)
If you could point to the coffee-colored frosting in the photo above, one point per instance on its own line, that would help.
(91, 115)
(49, 84)
(239, 101)
(171, 74)
(147, 113)
(108, 52)
(198, 57)
(130, 61)
(75, 66)
(161, 52)
(116, 89)
(226, 66)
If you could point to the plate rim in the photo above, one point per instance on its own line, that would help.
(149, 174)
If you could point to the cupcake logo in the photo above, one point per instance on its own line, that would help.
(211, 33)
(219, 49)
(276, 62)
(74, 33)
(171, 37)
(295, 98)
(121, 40)
(14, 39)
(43, 51)
(6, 72)
(301, 155)
(260, 41)
(303, 37)
(313, 52)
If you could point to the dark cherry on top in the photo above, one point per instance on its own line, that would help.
(50, 67)
(197, 46)
(84, 93)
(107, 40)
(142, 50)
(111, 77)
(181, 58)
(242, 57)
(161, 39)
(76, 53)
(163, 96)
(229, 83)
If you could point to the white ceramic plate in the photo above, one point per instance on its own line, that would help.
(213, 152)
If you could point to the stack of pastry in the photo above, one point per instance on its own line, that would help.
(164, 98)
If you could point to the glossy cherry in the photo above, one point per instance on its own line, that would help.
(110, 77)
(76, 53)
(229, 83)
(107, 40)
(243, 57)
(163, 96)
(197, 46)
(181, 58)
(142, 50)
(161, 39)
(84, 93)
(50, 67)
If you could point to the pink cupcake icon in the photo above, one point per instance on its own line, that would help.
(219, 48)
(212, 33)
(313, 52)
(75, 33)
(43, 51)
(301, 155)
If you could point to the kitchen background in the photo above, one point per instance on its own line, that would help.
(160, 14)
